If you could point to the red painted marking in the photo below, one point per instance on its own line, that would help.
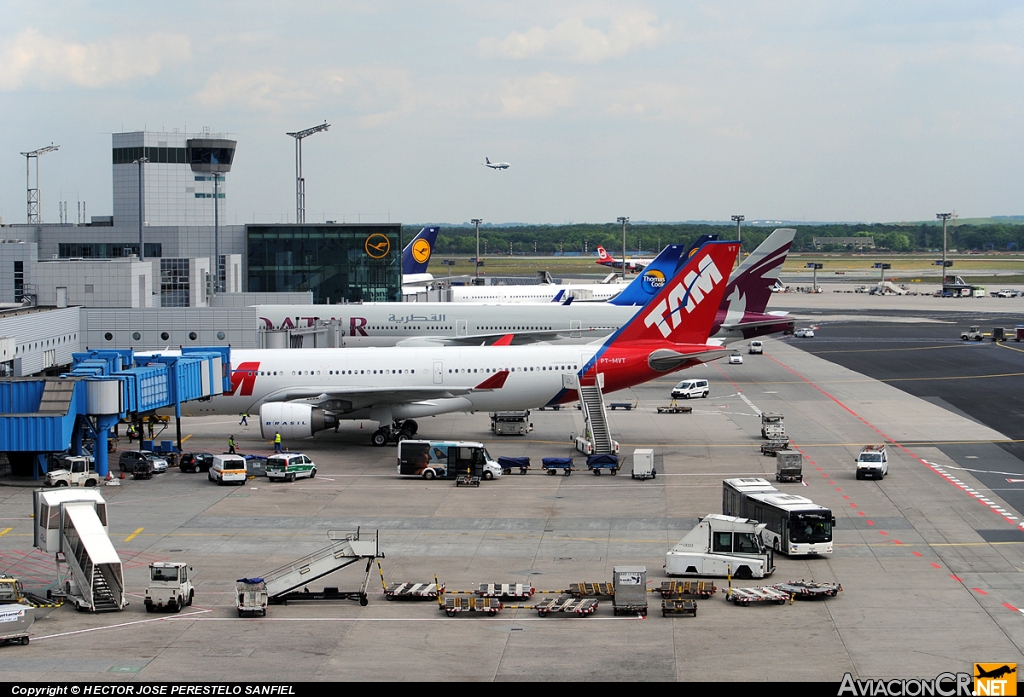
(956, 578)
(853, 505)
(846, 496)
(862, 513)
(938, 567)
(818, 468)
(896, 542)
(882, 532)
(917, 554)
(870, 522)
(839, 488)
(831, 482)
(1011, 607)
(979, 591)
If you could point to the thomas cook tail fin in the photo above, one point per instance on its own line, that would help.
(684, 310)
(646, 285)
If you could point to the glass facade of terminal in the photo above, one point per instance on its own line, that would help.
(353, 263)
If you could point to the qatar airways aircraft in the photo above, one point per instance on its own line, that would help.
(300, 392)
(742, 315)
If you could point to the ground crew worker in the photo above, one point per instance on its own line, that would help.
(231, 445)
(277, 442)
(244, 421)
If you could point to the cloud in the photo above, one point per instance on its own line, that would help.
(536, 95)
(573, 40)
(31, 60)
(374, 94)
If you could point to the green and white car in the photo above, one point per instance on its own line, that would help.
(289, 467)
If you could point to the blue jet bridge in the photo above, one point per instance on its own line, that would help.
(53, 414)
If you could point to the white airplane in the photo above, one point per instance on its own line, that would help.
(496, 165)
(606, 259)
(741, 315)
(300, 392)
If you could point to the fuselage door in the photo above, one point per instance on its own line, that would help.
(461, 327)
(438, 372)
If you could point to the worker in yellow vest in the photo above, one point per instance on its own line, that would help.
(277, 442)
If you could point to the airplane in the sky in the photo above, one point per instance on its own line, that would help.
(742, 315)
(632, 264)
(300, 392)
(496, 165)
(416, 256)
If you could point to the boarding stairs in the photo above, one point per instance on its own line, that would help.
(95, 581)
(596, 438)
(345, 548)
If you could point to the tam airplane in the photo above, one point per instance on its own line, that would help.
(300, 392)
(496, 165)
(606, 259)
(742, 314)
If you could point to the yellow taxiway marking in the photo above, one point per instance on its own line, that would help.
(186, 438)
(5, 531)
(132, 536)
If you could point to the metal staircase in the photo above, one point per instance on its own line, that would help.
(92, 586)
(345, 548)
(596, 439)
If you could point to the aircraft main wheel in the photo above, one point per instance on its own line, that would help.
(379, 438)
(411, 426)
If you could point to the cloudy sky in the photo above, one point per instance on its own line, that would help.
(662, 111)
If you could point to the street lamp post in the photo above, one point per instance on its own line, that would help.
(623, 220)
(142, 250)
(815, 266)
(944, 217)
(476, 265)
(738, 219)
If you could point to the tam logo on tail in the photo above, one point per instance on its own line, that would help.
(687, 294)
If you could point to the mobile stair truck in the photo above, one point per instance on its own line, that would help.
(284, 583)
(72, 524)
(721, 545)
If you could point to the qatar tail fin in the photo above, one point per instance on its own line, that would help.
(684, 310)
(750, 285)
(416, 254)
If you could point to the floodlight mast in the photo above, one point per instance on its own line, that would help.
(300, 183)
(34, 215)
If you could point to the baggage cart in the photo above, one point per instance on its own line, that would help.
(554, 464)
(678, 607)
(567, 604)
(789, 466)
(630, 584)
(594, 590)
(251, 596)
(809, 589)
(678, 589)
(505, 590)
(628, 406)
(510, 463)
(675, 409)
(454, 604)
(761, 594)
(597, 463)
(773, 447)
(643, 464)
(15, 621)
(413, 591)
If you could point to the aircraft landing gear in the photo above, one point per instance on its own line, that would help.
(395, 433)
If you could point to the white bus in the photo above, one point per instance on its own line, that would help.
(794, 525)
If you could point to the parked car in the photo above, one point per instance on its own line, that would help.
(736, 358)
(756, 346)
(691, 388)
(288, 466)
(1006, 293)
(195, 462)
(159, 463)
(805, 333)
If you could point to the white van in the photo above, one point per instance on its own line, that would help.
(289, 466)
(756, 347)
(227, 468)
(691, 388)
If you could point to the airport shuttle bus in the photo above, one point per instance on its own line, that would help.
(794, 525)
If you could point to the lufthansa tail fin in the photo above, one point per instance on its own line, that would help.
(416, 254)
(684, 309)
(753, 279)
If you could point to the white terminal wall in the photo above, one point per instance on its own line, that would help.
(97, 282)
(43, 338)
(10, 252)
(145, 329)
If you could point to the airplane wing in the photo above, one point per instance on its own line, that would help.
(358, 397)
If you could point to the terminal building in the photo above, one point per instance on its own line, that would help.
(196, 277)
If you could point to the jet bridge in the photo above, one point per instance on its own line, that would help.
(345, 548)
(72, 525)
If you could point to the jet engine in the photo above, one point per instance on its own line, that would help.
(294, 420)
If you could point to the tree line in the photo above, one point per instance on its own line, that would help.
(650, 238)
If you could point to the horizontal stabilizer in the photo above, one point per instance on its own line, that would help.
(665, 360)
